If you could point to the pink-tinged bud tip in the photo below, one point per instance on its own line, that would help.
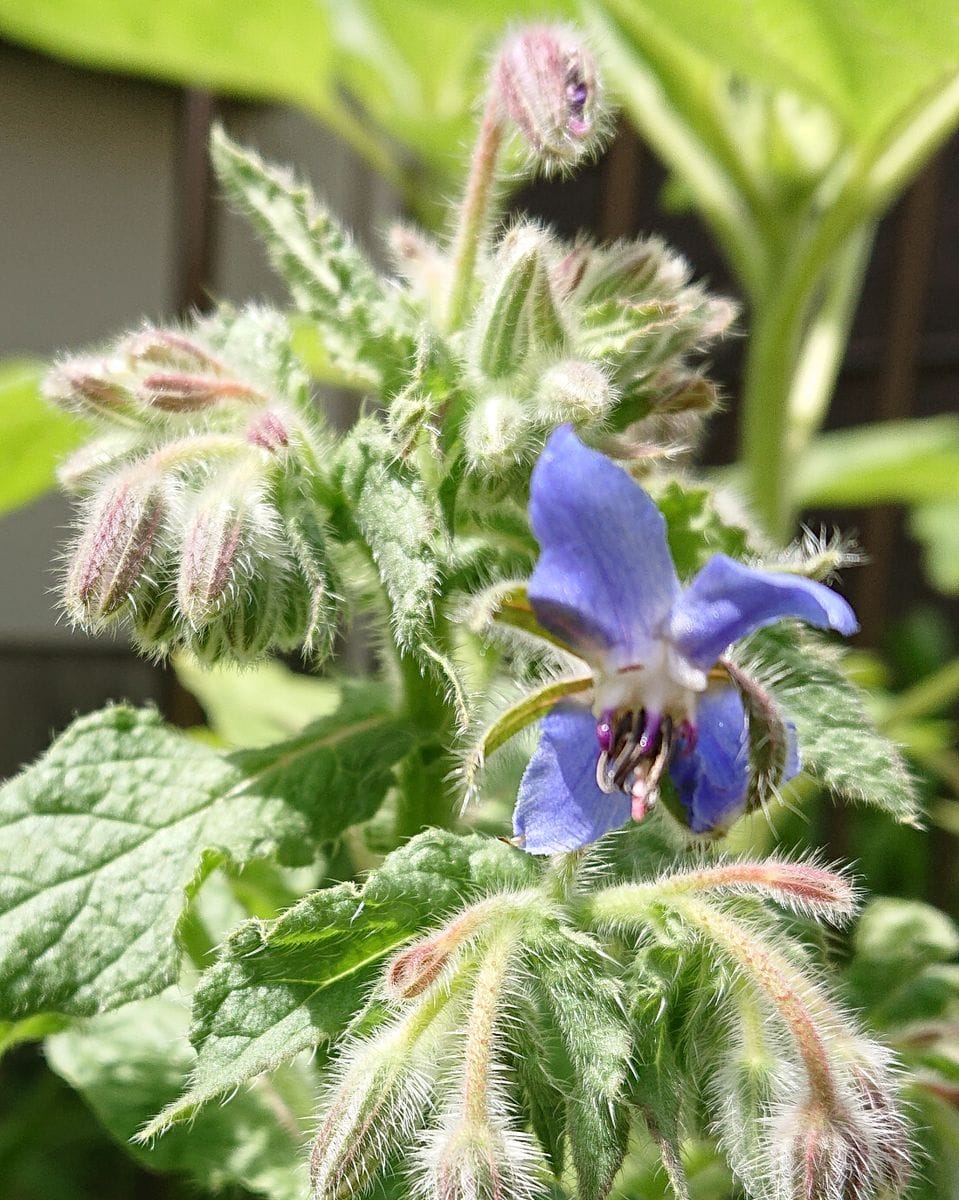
(547, 83)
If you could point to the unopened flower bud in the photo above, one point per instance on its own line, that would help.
(269, 431)
(547, 83)
(167, 350)
(573, 391)
(89, 387)
(111, 556)
(819, 1156)
(477, 1160)
(519, 312)
(174, 392)
(415, 968)
(497, 433)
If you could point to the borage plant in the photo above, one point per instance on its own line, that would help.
(477, 1016)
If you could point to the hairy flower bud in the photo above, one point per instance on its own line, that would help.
(497, 434)
(235, 570)
(269, 430)
(501, 334)
(547, 83)
(573, 391)
(176, 391)
(111, 556)
(479, 1160)
(168, 350)
(90, 387)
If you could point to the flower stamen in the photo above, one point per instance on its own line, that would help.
(635, 749)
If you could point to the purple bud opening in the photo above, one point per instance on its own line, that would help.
(546, 81)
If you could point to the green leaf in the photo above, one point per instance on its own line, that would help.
(936, 526)
(838, 743)
(34, 435)
(365, 332)
(586, 1006)
(107, 836)
(695, 530)
(130, 1063)
(260, 704)
(905, 934)
(284, 986)
(867, 61)
(399, 525)
(896, 462)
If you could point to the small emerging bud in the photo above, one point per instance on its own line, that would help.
(573, 391)
(497, 434)
(547, 83)
(269, 431)
(110, 558)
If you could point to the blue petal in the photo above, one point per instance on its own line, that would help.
(727, 600)
(713, 780)
(605, 580)
(560, 805)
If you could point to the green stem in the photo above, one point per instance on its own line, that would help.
(931, 694)
(474, 212)
(821, 353)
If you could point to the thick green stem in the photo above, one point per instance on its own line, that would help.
(474, 212)
(481, 1028)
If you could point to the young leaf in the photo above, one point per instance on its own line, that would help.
(281, 987)
(575, 986)
(129, 1063)
(398, 524)
(364, 327)
(838, 743)
(108, 834)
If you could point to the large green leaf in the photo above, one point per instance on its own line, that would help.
(895, 462)
(868, 61)
(281, 987)
(129, 1063)
(106, 837)
(33, 435)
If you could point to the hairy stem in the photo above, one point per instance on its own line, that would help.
(474, 211)
(481, 1028)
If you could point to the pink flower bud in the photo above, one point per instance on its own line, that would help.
(170, 351)
(89, 388)
(109, 560)
(176, 392)
(268, 431)
(547, 83)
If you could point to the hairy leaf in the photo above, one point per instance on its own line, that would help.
(584, 1002)
(297, 981)
(106, 836)
(838, 743)
(363, 325)
(398, 524)
(129, 1063)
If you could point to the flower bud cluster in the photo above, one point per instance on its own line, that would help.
(191, 529)
(425, 1086)
(598, 336)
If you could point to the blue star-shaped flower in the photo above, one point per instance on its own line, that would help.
(605, 586)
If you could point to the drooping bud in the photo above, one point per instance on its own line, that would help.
(120, 531)
(497, 433)
(472, 1160)
(91, 387)
(573, 391)
(175, 392)
(382, 1090)
(820, 1155)
(91, 461)
(167, 350)
(235, 569)
(547, 83)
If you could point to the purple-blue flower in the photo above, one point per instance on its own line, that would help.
(605, 585)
